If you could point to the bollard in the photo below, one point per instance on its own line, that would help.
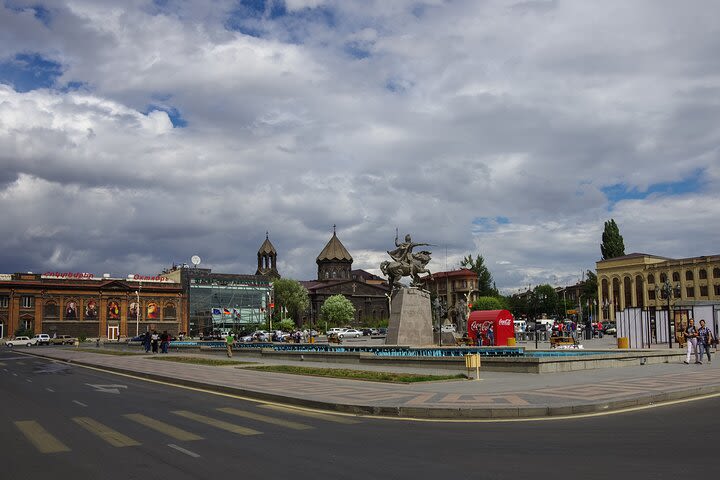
(623, 342)
(511, 342)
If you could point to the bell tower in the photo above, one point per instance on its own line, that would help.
(267, 259)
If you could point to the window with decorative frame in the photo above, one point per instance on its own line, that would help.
(169, 312)
(51, 310)
(27, 301)
(4, 301)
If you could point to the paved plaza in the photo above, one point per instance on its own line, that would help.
(495, 395)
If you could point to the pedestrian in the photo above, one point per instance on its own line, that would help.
(164, 342)
(491, 336)
(229, 340)
(154, 339)
(600, 329)
(691, 335)
(705, 338)
(146, 341)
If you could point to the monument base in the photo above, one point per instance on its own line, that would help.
(410, 318)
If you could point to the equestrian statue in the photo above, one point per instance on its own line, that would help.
(405, 263)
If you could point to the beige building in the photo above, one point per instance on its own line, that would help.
(639, 280)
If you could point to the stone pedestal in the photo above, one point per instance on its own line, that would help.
(410, 318)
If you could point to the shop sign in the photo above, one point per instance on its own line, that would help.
(69, 275)
(147, 278)
(5, 277)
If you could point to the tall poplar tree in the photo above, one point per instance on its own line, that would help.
(612, 242)
(486, 286)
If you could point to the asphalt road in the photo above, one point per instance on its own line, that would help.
(62, 421)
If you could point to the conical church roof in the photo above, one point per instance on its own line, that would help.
(267, 247)
(334, 251)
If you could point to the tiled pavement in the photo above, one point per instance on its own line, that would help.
(496, 395)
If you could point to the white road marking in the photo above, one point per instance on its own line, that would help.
(79, 403)
(14, 374)
(107, 388)
(183, 450)
(49, 389)
(28, 380)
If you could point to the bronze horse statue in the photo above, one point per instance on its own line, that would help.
(396, 270)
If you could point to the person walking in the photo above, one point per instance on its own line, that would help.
(154, 338)
(691, 335)
(229, 340)
(164, 342)
(147, 341)
(704, 340)
(491, 336)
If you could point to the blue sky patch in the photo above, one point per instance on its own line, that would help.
(356, 50)
(489, 224)
(250, 15)
(173, 113)
(29, 71)
(619, 192)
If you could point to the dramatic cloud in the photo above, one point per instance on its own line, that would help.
(135, 134)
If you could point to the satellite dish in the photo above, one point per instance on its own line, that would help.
(195, 260)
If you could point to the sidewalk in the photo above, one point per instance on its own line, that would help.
(496, 395)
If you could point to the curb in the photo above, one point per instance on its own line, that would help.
(425, 413)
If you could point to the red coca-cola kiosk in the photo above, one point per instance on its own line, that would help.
(502, 322)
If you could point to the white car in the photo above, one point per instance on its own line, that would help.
(350, 333)
(27, 341)
(42, 339)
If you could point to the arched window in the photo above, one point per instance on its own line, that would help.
(676, 276)
(716, 272)
(51, 310)
(702, 274)
(663, 277)
(689, 275)
(651, 278)
(169, 311)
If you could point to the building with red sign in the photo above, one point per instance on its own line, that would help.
(85, 305)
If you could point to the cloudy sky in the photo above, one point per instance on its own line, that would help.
(137, 133)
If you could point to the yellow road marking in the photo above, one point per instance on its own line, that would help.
(43, 440)
(162, 427)
(311, 414)
(266, 419)
(113, 437)
(230, 427)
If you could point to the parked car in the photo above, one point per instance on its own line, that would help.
(367, 331)
(382, 331)
(27, 341)
(610, 329)
(350, 333)
(42, 339)
(63, 340)
(335, 330)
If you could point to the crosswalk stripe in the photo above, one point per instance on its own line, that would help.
(43, 440)
(113, 437)
(266, 419)
(230, 427)
(311, 414)
(162, 427)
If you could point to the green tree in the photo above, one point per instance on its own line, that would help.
(286, 325)
(486, 286)
(590, 287)
(291, 295)
(337, 310)
(488, 303)
(612, 242)
(544, 300)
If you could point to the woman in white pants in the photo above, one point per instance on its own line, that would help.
(691, 335)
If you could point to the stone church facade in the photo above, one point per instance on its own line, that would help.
(368, 293)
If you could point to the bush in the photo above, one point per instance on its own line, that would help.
(24, 332)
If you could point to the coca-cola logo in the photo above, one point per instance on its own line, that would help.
(506, 322)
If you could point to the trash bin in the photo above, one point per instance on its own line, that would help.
(472, 360)
(623, 342)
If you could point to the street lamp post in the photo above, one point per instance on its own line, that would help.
(667, 290)
(137, 311)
